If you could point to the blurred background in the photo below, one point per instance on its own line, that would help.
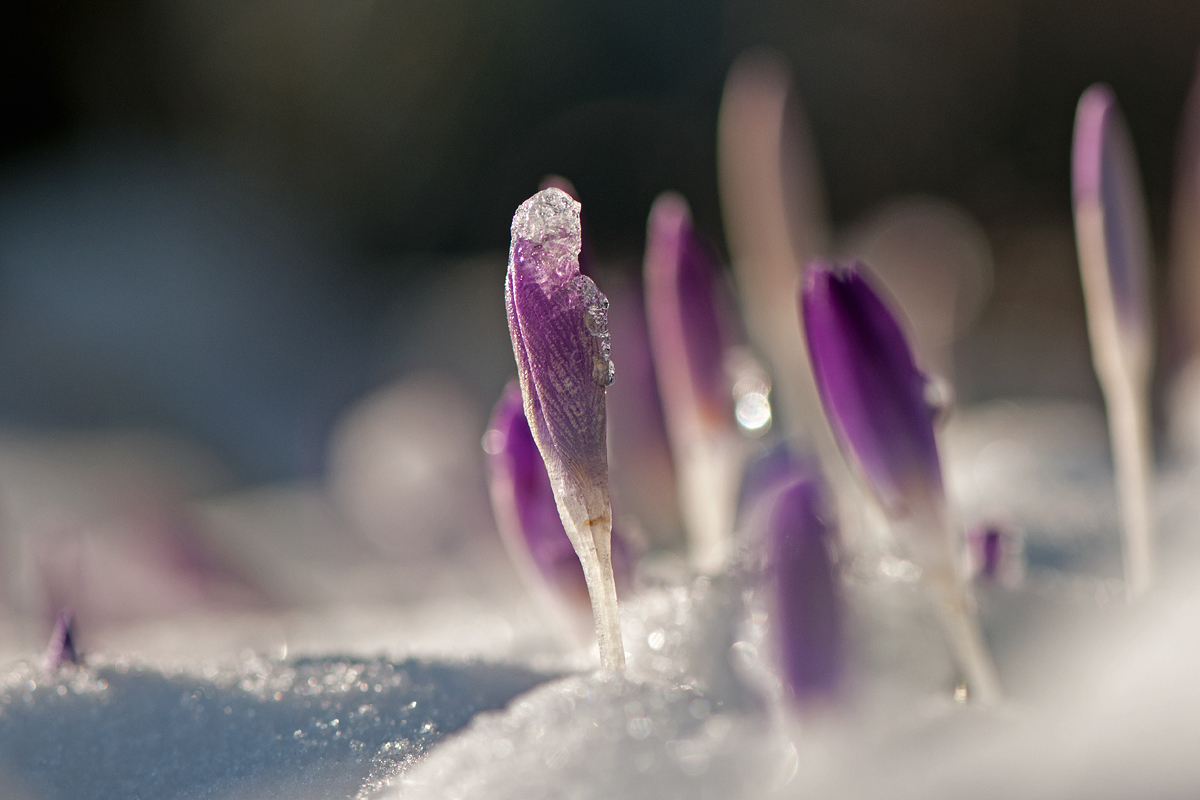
(269, 237)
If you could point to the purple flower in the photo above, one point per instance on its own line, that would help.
(873, 392)
(523, 501)
(690, 333)
(1106, 184)
(1114, 263)
(559, 326)
(808, 601)
(558, 321)
(689, 321)
(62, 642)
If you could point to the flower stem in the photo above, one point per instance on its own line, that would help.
(966, 640)
(602, 589)
(1128, 429)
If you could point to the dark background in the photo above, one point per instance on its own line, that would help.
(217, 216)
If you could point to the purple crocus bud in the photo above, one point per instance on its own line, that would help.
(1112, 236)
(808, 602)
(690, 334)
(873, 392)
(876, 400)
(558, 322)
(62, 642)
(526, 513)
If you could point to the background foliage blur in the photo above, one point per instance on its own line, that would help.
(233, 218)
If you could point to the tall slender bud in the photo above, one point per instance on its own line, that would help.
(1113, 239)
(558, 322)
(689, 321)
(879, 406)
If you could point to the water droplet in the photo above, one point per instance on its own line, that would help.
(595, 319)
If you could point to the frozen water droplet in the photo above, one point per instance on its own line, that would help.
(596, 319)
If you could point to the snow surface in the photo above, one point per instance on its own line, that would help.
(1101, 703)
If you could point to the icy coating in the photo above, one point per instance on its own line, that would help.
(551, 219)
(262, 728)
(595, 319)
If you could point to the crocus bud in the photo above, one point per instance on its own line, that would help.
(526, 513)
(690, 333)
(808, 605)
(872, 390)
(876, 400)
(1114, 261)
(62, 642)
(558, 322)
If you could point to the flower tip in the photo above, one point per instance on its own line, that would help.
(1095, 115)
(875, 396)
(550, 216)
(62, 642)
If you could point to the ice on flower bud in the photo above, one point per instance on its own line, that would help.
(808, 605)
(525, 509)
(558, 322)
(873, 392)
(62, 642)
(1112, 236)
(690, 334)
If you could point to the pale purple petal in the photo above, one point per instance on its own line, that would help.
(62, 642)
(1104, 172)
(770, 471)
(688, 314)
(870, 386)
(524, 503)
(809, 612)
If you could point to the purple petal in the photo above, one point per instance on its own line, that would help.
(995, 553)
(769, 472)
(688, 316)
(1104, 175)
(558, 322)
(62, 642)
(808, 600)
(870, 386)
(523, 501)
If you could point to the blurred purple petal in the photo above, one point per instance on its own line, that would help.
(808, 600)
(770, 471)
(995, 553)
(689, 320)
(62, 642)
(1105, 178)
(558, 322)
(523, 500)
(870, 386)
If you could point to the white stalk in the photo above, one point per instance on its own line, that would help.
(709, 469)
(587, 518)
(1123, 372)
(929, 539)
